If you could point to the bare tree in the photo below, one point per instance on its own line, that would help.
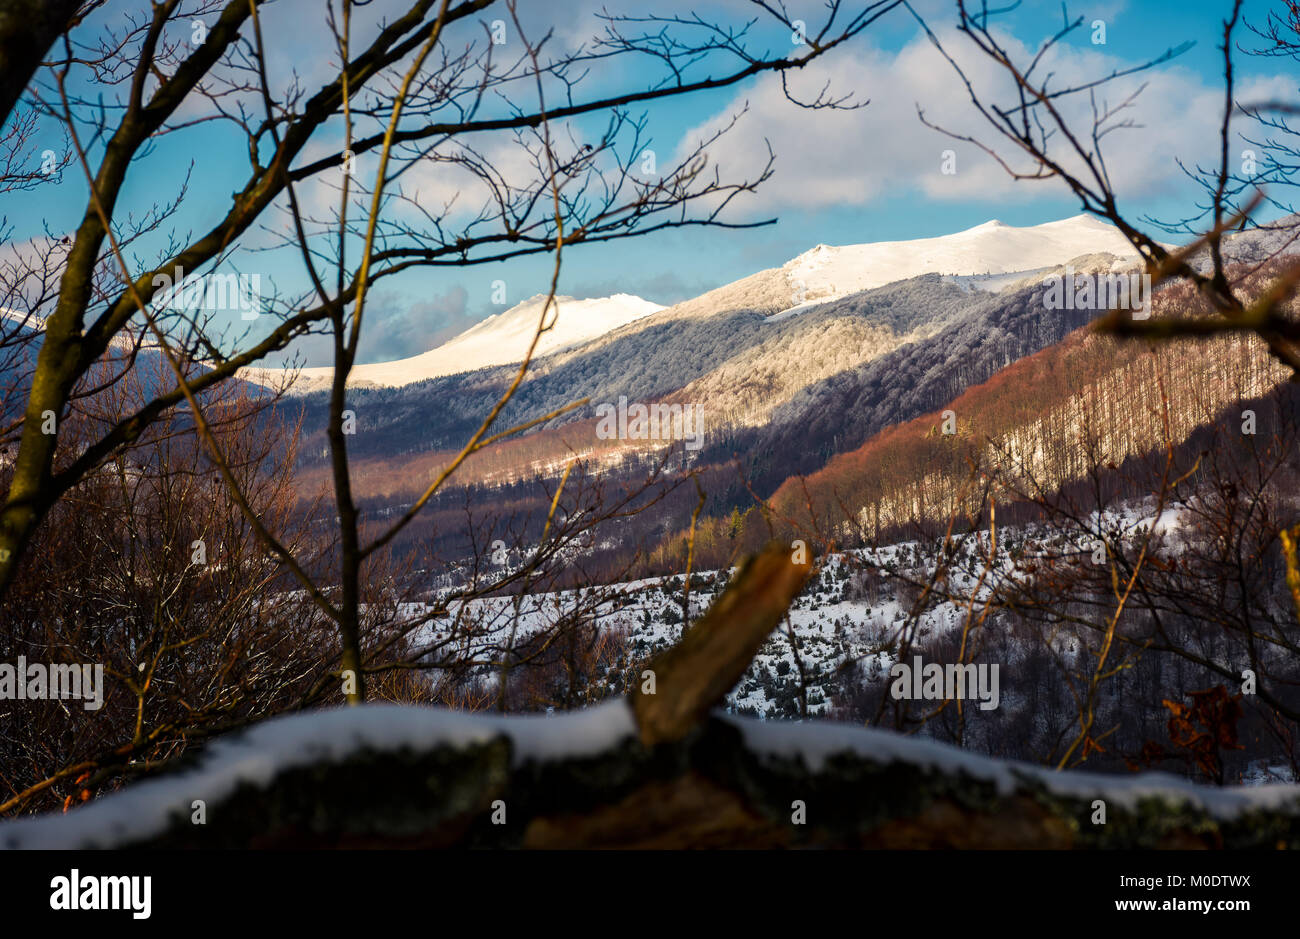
(1034, 138)
(425, 90)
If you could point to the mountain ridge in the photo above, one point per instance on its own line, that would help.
(822, 274)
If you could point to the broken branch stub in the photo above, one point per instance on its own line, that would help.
(694, 675)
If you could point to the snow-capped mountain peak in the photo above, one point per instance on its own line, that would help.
(827, 272)
(500, 339)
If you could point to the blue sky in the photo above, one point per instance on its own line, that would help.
(841, 177)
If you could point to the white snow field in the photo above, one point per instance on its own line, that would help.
(501, 339)
(828, 273)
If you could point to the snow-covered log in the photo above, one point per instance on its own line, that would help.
(390, 776)
(657, 771)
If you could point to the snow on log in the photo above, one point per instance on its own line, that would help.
(392, 776)
(654, 771)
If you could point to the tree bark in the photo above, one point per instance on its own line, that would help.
(27, 30)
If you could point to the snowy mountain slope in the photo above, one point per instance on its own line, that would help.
(23, 333)
(1043, 420)
(988, 257)
(836, 337)
(501, 339)
(823, 274)
(757, 364)
(857, 362)
(831, 376)
(828, 272)
(933, 365)
(15, 324)
(743, 384)
(1281, 237)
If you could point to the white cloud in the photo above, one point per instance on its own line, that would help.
(830, 158)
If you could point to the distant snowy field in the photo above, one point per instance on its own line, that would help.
(833, 624)
(831, 628)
